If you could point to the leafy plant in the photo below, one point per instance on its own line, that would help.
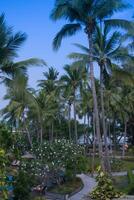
(61, 154)
(116, 164)
(130, 189)
(104, 189)
(22, 186)
(6, 139)
(3, 185)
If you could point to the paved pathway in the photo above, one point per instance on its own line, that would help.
(124, 173)
(89, 184)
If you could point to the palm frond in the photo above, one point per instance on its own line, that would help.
(14, 43)
(106, 9)
(82, 47)
(78, 56)
(119, 23)
(67, 30)
(30, 62)
(113, 41)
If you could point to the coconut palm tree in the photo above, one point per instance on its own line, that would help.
(50, 83)
(107, 50)
(10, 43)
(72, 81)
(20, 98)
(50, 86)
(87, 14)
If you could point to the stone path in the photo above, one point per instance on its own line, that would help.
(89, 184)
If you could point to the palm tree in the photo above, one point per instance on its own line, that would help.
(107, 50)
(9, 42)
(50, 83)
(20, 98)
(72, 81)
(9, 46)
(87, 14)
(50, 87)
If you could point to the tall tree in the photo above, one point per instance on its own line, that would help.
(72, 80)
(87, 14)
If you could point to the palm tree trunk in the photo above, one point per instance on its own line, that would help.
(109, 131)
(84, 129)
(94, 145)
(107, 162)
(41, 131)
(29, 137)
(95, 97)
(124, 142)
(75, 121)
(69, 121)
(52, 132)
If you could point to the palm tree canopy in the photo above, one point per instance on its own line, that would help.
(107, 49)
(9, 42)
(86, 13)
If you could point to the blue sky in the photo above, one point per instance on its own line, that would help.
(32, 17)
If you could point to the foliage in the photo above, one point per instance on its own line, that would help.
(59, 155)
(6, 139)
(68, 187)
(130, 189)
(3, 184)
(22, 186)
(104, 189)
(116, 164)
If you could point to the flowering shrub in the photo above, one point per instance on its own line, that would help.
(59, 155)
(104, 189)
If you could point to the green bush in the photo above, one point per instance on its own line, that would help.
(61, 154)
(22, 186)
(130, 189)
(3, 184)
(104, 189)
(131, 150)
(6, 139)
(116, 164)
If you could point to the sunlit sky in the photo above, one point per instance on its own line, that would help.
(32, 17)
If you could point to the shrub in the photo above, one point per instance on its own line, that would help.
(104, 189)
(116, 164)
(130, 189)
(6, 139)
(61, 154)
(3, 184)
(22, 186)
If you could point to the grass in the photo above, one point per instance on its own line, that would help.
(126, 164)
(68, 187)
(125, 184)
(121, 183)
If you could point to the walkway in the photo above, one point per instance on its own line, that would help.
(89, 184)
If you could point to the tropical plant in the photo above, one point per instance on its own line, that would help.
(104, 189)
(72, 81)
(87, 14)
